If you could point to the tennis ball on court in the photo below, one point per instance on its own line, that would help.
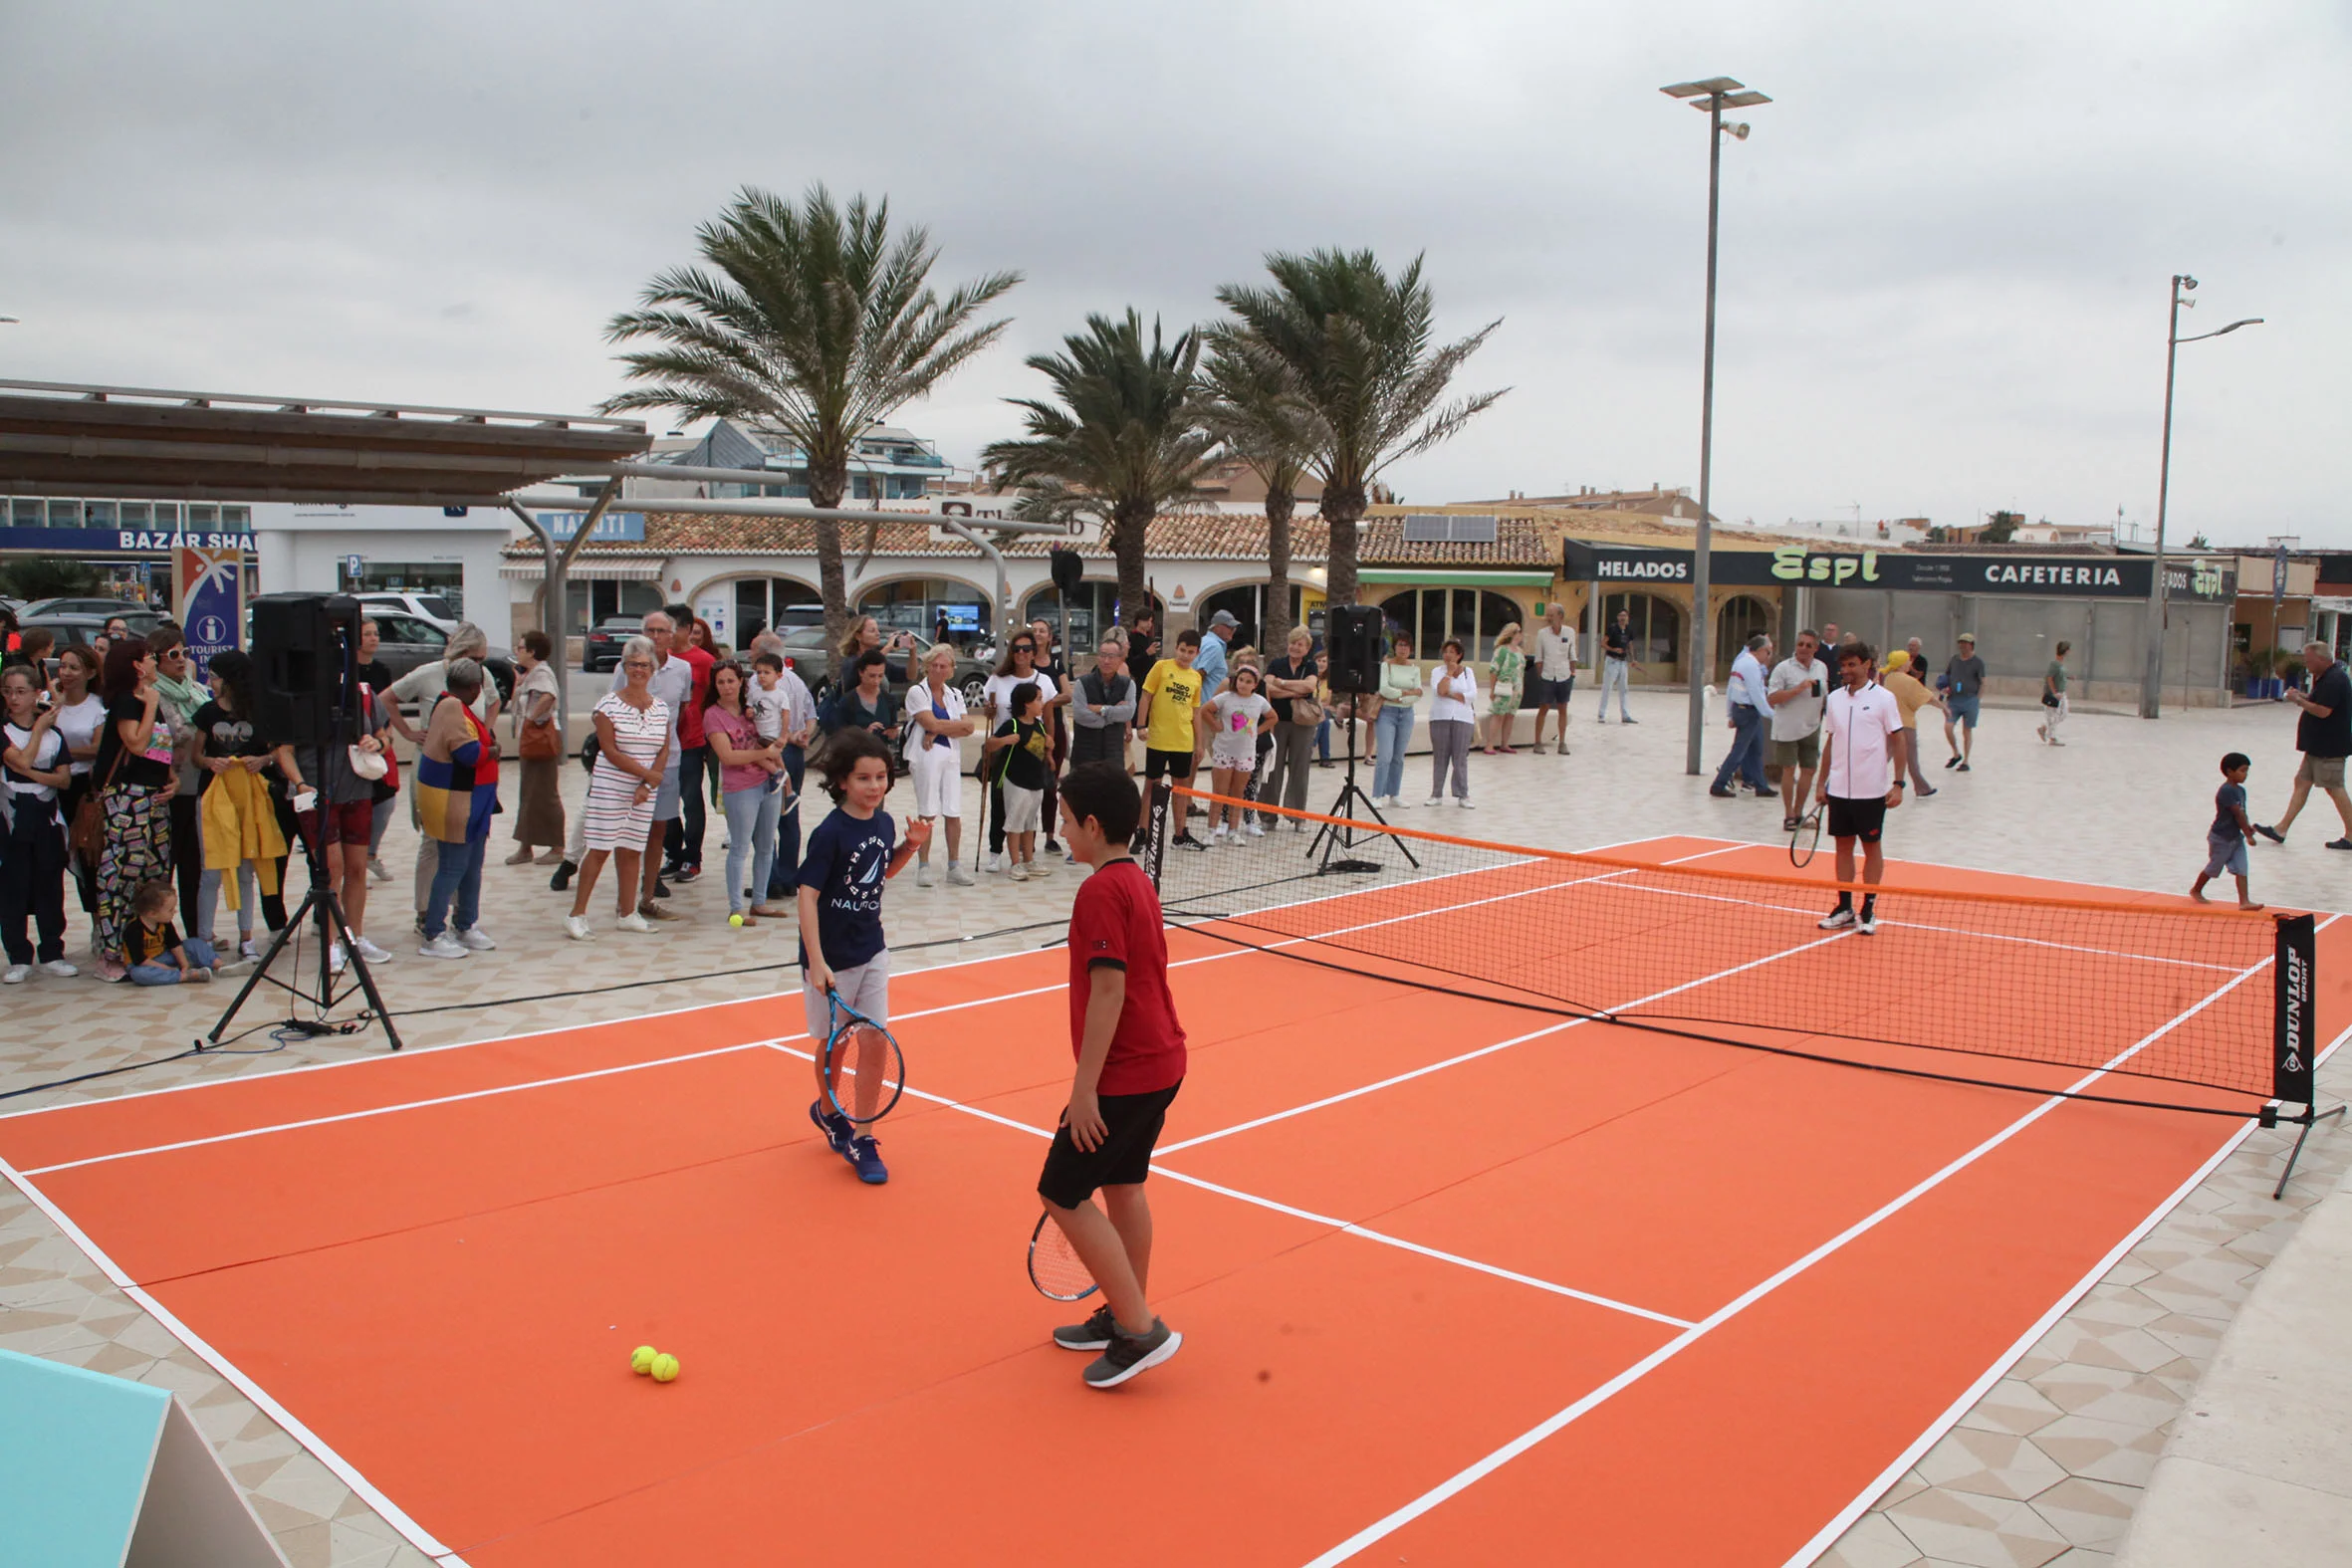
(641, 1359)
(735, 920)
(664, 1368)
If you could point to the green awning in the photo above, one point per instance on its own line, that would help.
(1428, 578)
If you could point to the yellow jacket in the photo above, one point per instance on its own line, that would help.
(240, 824)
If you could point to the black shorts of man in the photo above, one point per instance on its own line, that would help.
(1130, 1063)
(1861, 777)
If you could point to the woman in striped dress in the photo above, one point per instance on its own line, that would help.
(632, 751)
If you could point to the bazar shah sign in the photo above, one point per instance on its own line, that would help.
(2048, 576)
(118, 540)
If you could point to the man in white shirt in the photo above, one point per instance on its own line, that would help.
(1555, 677)
(1795, 693)
(1744, 697)
(1861, 775)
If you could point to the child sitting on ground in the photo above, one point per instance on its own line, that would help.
(153, 948)
(2225, 840)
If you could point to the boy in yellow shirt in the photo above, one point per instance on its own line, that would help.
(1170, 717)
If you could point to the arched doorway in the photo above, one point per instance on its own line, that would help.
(777, 602)
(1656, 631)
(1246, 602)
(1471, 616)
(918, 603)
(1740, 619)
(1093, 610)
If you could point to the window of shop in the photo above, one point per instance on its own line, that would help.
(919, 603)
(594, 603)
(1737, 621)
(1246, 605)
(773, 602)
(1092, 609)
(1656, 628)
(1470, 616)
(445, 580)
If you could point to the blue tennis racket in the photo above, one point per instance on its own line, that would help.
(861, 1071)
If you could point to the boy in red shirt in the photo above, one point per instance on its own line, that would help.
(1130, 1052)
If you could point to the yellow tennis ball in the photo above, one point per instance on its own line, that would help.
(665, 1368)
(735, 920)
(641, 1359)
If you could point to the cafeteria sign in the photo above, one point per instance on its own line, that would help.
(208, 597)
(2021, 572)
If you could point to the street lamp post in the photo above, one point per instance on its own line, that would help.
(1712, 96)
(2152, 676)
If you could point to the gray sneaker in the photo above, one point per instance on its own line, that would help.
(1128, 1354)
(1092, 1334)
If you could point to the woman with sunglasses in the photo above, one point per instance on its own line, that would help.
(181, 696)
(1019, 667)
(80, 716)
(136, 784)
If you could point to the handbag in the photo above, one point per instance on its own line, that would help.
(538, 741)
(1306, 710)
(2049, 699)
(89, 823)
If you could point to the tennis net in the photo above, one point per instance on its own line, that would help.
(2139, 988)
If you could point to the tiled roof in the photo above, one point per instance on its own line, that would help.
(1520, 542)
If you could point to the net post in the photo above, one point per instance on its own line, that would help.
(2295, 1010)
(1155, 830)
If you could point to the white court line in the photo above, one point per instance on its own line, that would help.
(418, 1537)
(1470, 1475)
(1346, 1226)
(1487, 1051)
(2009, 1358)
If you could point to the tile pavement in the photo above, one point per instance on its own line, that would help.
(2044, 1469)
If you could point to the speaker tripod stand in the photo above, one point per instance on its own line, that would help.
(1339, 838)
(320, 905)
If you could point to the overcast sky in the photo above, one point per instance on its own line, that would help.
(1944, 247)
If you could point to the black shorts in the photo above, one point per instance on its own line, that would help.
(1131, 1125)
(1176, 765)
(1863, 820)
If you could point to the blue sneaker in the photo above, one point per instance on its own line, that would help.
(834, 1125)
(866, 1156)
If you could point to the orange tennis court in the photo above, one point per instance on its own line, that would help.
(1462, 1281)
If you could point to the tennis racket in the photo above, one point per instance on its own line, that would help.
(1806, 839)
(861, 1072)
(1053, 1265)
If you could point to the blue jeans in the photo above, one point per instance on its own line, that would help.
(1392, 732)
(1746, 757)
(458, 872)
(159, 972)
(751, 832)
(783, 880)
(1323, 741)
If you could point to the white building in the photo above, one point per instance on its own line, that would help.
(322, 548)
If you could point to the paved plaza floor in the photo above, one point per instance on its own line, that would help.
(2045, 1466)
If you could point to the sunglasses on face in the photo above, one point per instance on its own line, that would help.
(1025, 647)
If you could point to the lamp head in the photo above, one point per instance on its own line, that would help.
(1738, 133)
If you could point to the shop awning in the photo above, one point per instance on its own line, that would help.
(600, 570)
(1432, 577)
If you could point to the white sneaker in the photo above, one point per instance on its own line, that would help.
(1464, 801)
(922, 873)
(994, 863)
(633, 921)
(1434, 799)
(337, 962)
(378, 870)
(957, 876)
(1257, 828)
(59, 968)
(443, 946)
(371, 952)
(1045, 867)
(1018, 872)
(1217, 834)
(248, 948)
(476, 940)
(577, 928)
(17, 974)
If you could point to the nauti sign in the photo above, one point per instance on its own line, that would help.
(2046, 576)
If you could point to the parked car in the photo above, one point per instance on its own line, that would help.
(812, 658)
(405, 641)
(140, 619)
(607, 638)
(424, 606)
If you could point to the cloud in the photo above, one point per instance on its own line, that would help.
(1944, 247)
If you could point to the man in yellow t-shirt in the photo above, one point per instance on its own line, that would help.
(1169, 718)
(1911, 694)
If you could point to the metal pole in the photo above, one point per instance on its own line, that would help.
(2152, 680)
(556, 592)
(1702, 611)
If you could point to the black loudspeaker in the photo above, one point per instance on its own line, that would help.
(305, 650)
(1354, 647)
(1069, 569)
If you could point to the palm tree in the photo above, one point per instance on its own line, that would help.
(1356, 347)
(1251, 404)
(1121, 442)
(810, 324)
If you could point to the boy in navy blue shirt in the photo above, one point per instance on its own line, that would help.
(2225, 840)
(851, 855)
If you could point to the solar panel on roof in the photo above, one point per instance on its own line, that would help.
(1423, 527)
(1473, 530)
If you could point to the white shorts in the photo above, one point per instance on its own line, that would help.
(865, 988)
(1023, 810)
(939, 781)
(1234, 765)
